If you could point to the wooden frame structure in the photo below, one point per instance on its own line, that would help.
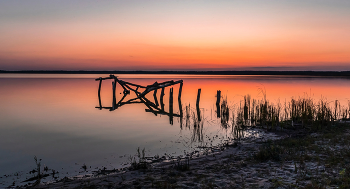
(141, 92)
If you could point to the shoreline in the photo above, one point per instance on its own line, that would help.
(126, 177)
(291, 159)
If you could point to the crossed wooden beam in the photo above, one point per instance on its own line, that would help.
(141, 92)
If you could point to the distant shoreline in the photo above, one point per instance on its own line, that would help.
(288, 73)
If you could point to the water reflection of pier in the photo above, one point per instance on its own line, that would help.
(193, 118)
(141, 92)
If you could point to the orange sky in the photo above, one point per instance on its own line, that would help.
(158, 35)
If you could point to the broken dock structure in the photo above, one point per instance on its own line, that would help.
(141, 92)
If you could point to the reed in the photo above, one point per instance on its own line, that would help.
(141, 163)
(297, 113)
(197, 133)
(225, 114)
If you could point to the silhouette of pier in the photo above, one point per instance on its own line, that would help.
(141, 92)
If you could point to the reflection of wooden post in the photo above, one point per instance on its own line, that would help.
(99, 93)
(218, 98)
(181, 114)
(198, 113)
(171, 106)
(197, 105)
(180, 108)
(114, 98)
(155, 97)
(161, 99)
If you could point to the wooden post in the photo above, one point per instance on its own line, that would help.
(180, 104)
(198, 97)
(99, 93)
(155, 97)
(179, 100)
(161, 99)
(218, 98)
(114, 98)
(197, 105)
(99, 87)
(180, 91)
(171, 106)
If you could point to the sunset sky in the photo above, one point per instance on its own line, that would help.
(175, 35)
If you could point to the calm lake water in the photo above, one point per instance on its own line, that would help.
(54, 117)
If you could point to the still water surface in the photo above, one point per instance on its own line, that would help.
(54, 117)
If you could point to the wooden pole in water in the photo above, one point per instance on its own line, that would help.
(99, 93)
(171, 106)
(179, 102)
(155, 97)
(197, 104)
(114, 98)
(218, 98)
(198, 97)
(99, 87)
(161, 99)
(180, 91)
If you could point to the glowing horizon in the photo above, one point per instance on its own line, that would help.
(169, 35)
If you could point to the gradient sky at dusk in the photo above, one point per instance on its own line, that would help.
(175, 35)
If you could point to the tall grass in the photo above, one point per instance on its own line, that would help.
(194, 123)
(302, 112)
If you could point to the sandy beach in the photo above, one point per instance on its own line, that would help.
(289, 163)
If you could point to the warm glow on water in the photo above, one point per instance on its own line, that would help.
(54, 117)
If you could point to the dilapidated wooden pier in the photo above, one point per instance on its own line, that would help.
(141, 92)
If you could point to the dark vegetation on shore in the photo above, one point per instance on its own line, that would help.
(288, 73)
(303, 113)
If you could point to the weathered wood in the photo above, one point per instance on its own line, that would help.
(180, 91)
(171, 106)
(152, 107)
(159, 85)
(114, 98)
(99, 87)
(140, 86)
(197, 105)
(148, 106)
(161, 99)
(149, 102)
(103, 78)
(155, 97)
(99, 93)
(125, 91)
(198, 97)
(218, 98)
(162, 113)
